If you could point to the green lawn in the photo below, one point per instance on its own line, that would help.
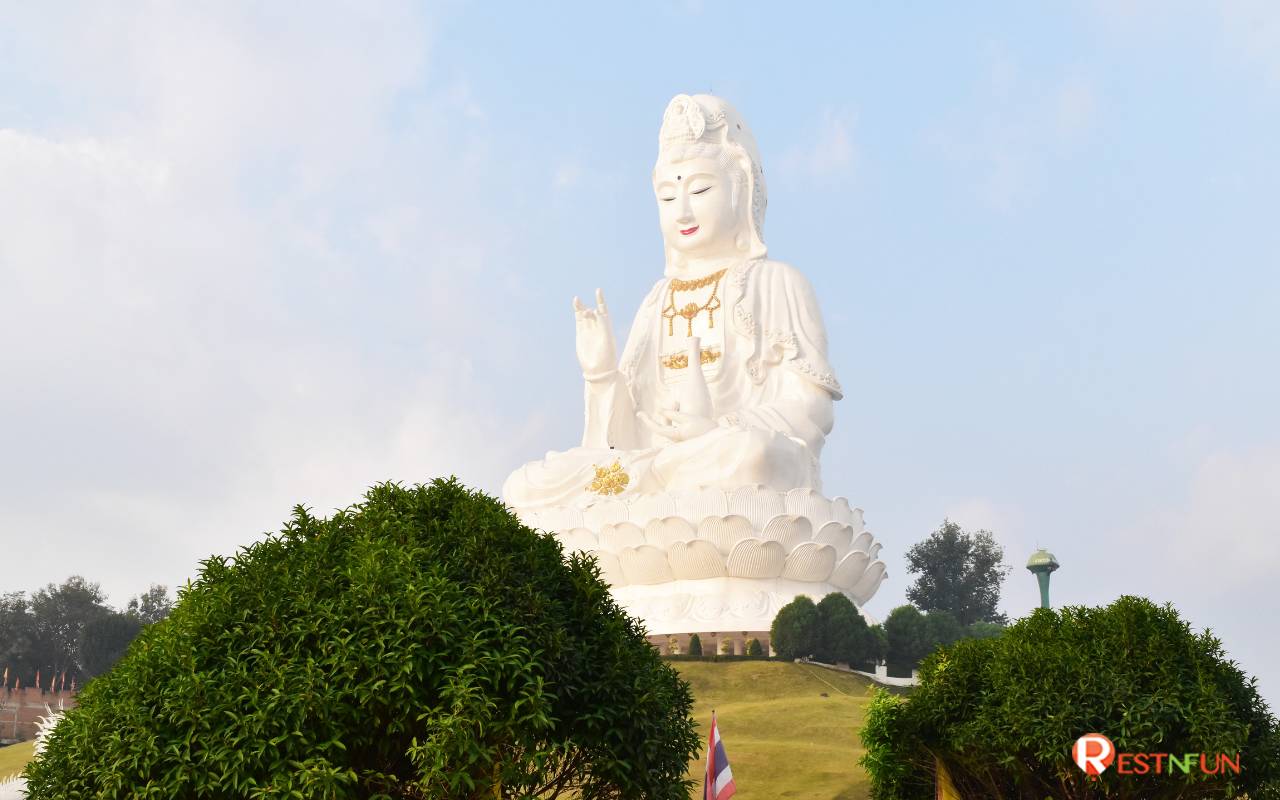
(783, 738)
(14, 757)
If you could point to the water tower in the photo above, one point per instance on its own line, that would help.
(1042, 563)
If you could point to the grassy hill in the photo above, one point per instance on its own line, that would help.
(783, 738)
(14, 757)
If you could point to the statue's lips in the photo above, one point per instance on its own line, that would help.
(689, 231)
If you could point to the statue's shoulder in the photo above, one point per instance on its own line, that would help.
(780, 272)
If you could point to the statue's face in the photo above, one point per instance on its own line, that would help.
(695, 207)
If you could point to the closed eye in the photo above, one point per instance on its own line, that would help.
(666, 199)
(700, 191)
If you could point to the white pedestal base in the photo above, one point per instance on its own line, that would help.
(716, 560)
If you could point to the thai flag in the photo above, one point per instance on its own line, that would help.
(719, 781)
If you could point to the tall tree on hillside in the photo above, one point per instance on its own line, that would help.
(153, 606)
(20, 646)
(959, 572)
(104, 640)
(907, 636)
(60, 614)
(794, 633)
(843, 634)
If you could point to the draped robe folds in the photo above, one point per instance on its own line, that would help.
(771, 389)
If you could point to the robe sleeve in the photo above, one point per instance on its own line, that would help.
(791, 360)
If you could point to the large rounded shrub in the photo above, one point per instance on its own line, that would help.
(422, 644)
(794, 633)
(1001, 714)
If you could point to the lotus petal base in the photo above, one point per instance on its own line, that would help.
(716, 560)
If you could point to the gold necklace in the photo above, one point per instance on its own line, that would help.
(691, 310)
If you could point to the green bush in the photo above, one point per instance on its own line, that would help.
(983, 630)
(421, 644)
(754, 648)
(879, 643)
(794, 633)
(843, 635)
(1002, 713)
(907, 635)
(695, 645)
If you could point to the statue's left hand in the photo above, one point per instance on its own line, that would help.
(678, 426)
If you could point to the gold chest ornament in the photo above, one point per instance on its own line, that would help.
(691, 310)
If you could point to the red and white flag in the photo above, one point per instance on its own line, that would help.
(719, 781)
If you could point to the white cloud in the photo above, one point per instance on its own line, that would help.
(1212, 550)
(1229, 524)
(231, 284)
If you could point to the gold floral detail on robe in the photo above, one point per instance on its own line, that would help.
(681, 360)
(609, 480)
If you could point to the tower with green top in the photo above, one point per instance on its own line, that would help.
(1042, 563)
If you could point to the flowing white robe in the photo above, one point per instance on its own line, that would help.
(771, 391)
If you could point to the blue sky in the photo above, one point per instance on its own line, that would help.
(252, 258)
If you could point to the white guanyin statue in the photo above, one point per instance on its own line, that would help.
(697, 485)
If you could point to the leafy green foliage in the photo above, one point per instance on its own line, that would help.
(64, 630)
(958, 572)
(1002, 713)
(153, 606)
(421, 644)
(843, 635)
(794, 632)
(754, 648)
(943, 628)
(907, 635)
(105, 639)
(695, 645)
(983, 630)
(880, 641)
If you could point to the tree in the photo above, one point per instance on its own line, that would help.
(958, 572)
(695, 645)
(1002, 713)
(104, 640)
(423, 643)
(69, 630)
(794, 633)
(907, 635)
(843, 635)
(942, 628)
(880, 643)
(60, 614)
(153, 606)
(754, 648)
(21, 650)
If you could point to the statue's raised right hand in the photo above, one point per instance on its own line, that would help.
(597, 353)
